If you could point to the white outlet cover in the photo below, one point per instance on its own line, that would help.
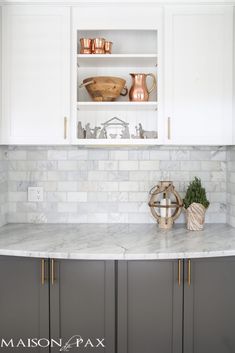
(35, 194)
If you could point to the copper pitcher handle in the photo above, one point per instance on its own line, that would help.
(84, 84)
(154, 83)
(125, 93)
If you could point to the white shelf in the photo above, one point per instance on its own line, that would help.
(117, 142)
(117, 60)
(121, 106)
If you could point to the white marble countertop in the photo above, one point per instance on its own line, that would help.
(115, 241)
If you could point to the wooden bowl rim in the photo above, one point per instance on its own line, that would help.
(96, 78)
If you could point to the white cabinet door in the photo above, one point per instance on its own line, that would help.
(36, 74)
(199, 73)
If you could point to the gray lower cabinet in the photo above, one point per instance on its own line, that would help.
(136, 306)
(209, 306)
(82, 303)
(150, 299)
(24, 303)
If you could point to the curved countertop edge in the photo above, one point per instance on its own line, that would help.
(115, 241)
(110, 256)
(113, 257)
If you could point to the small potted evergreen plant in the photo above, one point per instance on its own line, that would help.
(195, 204)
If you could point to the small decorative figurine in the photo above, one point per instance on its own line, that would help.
(88, 131)
(125, 133)
(80, 131)
(150, 134)
(95, 132)
(91, 133)
(137, 136)
(144, 134)
(103, 133)
(113, 128)
(119, 128)
(141, 131)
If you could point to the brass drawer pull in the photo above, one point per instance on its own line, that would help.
(189, 273)
(169, 128)
(42, 272)
(179, 272)
(65, 127)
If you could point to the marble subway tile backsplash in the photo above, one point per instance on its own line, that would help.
(3, 187)
(231, 186)
(106, 185)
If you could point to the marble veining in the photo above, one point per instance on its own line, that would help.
(115, 241)
(107, 185)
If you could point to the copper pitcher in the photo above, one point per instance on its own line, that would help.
(139, 91)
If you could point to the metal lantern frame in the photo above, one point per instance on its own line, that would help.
(166, 188)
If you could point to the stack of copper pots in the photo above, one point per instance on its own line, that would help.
(95, 46)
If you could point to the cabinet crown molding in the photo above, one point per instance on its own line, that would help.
(115, 2)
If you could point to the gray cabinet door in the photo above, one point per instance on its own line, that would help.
(82, 302)
(209, 322)
(149, 307)
(24, 303)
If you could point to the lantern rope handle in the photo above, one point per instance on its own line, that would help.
(157, 189)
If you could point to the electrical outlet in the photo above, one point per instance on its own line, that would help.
(35, 194)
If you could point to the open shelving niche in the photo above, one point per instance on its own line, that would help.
(134, 51)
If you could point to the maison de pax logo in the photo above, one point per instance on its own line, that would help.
(74, 342)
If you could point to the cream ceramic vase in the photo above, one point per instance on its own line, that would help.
(195, 216)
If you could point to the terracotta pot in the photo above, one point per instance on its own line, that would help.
(195, 216)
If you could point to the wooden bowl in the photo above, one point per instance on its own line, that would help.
(105, 88)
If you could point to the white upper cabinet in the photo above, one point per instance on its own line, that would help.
(189, 48)
(199, 74)
(36, 74)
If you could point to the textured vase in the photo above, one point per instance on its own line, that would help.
(195, 215)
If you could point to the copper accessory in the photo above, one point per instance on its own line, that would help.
(85, 46)
(108, 47)
(139, 91)
(98, 46)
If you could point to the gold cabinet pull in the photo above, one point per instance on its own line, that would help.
(189, 272)
(52, 271)
(65, 127)
(169, 128)
(42, 272)
(179, 272)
